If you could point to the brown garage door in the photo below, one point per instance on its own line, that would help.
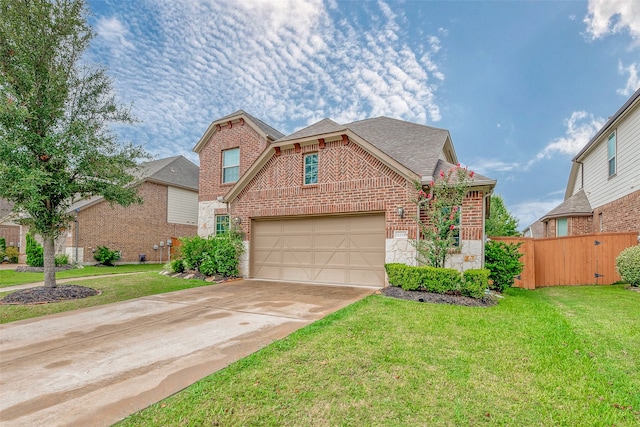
(330, 249)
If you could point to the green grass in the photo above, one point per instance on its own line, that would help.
(564, 356)
(113, 288)
(11, 278)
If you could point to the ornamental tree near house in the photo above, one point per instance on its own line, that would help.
(55, 145)
(440, 212)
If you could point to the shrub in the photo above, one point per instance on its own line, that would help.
(208, 267)
(3, 244)
(105, 256)
(34, 251)
(502, 259)
(628, 265)
(195, 250)
(226, 255)
(61, 260)
(423, 278)
(475, 283)
(177, 266)
(12, 254)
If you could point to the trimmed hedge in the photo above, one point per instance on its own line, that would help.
(438, 280)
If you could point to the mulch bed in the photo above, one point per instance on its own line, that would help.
(453, 299)
(43, 295)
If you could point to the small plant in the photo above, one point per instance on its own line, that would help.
(227, 252)
(503, 260)
(61, 260)
(177, 266)
(105, 256)
(3, 244)
(208, 266)
(424, 278)
(11, 254)
(628, 265)
(35, 252)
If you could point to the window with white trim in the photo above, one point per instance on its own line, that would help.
(230, 165)
(311, 168)
(222, 224)
(611, 153)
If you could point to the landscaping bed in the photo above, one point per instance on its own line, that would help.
(448, 298)
(47, 294)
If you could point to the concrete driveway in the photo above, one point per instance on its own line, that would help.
(95, 366)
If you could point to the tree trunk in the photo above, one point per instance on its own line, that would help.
(49, 262)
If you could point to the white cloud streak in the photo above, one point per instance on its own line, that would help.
(581, 127)
(290, 62)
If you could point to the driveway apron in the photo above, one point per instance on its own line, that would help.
(95, 366)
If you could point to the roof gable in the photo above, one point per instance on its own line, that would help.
(263, 129)
(576, 205)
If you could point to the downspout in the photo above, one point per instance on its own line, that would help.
(581, 174)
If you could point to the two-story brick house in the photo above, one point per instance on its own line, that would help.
(329, 203)
(603, 192)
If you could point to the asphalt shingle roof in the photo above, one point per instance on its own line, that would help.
(270, 131)
(576, 205)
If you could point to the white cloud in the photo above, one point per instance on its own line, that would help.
(613, 16)
(288, 62)
(581, 127)
(113, 31)
(633, 82)
(529, 211)
(492, 166)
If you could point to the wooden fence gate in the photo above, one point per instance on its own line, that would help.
(571, 260)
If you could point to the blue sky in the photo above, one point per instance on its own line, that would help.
(521, 85)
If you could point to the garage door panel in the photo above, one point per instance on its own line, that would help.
(330, 241)
(332, 249)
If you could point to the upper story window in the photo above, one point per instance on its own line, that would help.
(230, 165)
(311, 168)
(611, 153)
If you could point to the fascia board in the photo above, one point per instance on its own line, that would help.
(213, 128)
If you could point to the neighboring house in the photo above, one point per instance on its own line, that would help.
(603, 192)
(9, 230)
(329, 203)
(169, 189)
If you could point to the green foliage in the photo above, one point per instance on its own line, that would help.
(3, 244)
(424, 278)
(105, 256)
(55, 113)
(34, 251)
(440, 205)
(628, 265)
(500, 222)
(61, 260)
(195, 250)
(11, 253)
(503, 260)
(214, 255)
(177, 266)
(475, 283)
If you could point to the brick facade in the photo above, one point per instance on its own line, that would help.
(622, 214)
(237, 134)
(132, 230)
(350, 180)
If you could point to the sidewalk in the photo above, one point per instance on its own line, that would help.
(59, 281)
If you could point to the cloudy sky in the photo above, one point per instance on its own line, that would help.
(521, 85)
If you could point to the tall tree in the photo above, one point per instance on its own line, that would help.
(500, 222)
(55, 111)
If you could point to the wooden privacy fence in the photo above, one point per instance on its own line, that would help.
(571, 260)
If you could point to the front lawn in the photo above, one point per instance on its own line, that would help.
(113, 288)
(11, 278)
(563, 356)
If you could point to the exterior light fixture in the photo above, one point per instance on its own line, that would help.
(400, 211)
(237, 220)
